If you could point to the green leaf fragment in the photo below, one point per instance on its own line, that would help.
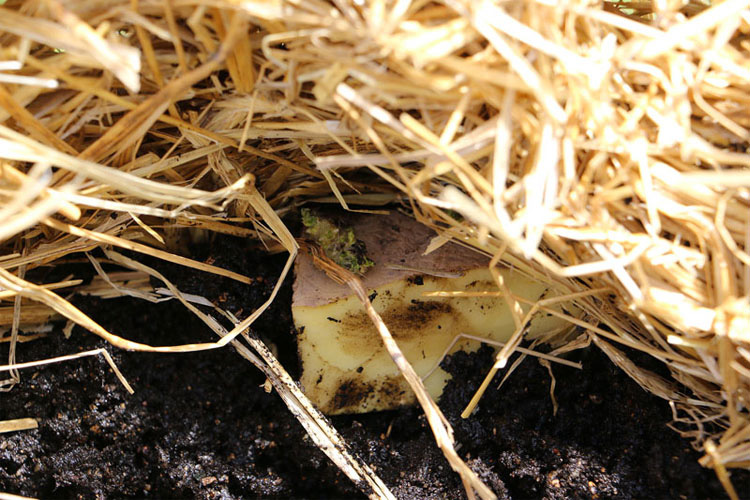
(338, 243)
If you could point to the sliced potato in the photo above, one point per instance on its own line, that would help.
(345, 368)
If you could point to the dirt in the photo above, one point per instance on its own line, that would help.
(201, 425)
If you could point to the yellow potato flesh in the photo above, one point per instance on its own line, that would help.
(346, 369)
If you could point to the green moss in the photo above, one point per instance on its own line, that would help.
(338, 243)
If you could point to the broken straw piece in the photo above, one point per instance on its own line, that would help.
(345, 368)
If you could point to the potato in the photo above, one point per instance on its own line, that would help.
(345, 368)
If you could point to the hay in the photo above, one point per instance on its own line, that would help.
(592, 146)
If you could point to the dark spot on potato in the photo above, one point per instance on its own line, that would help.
(483, 285)
(396, 391)
(416, 280)
(405, 321)
(420, 312)
(350, 394)
(333, 319)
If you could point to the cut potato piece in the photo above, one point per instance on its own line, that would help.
(345, 368)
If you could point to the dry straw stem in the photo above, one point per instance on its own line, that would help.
(18, 424)
(592, 147)
(10, 496)
(60, 359)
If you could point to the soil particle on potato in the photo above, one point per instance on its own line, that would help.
(200, 425)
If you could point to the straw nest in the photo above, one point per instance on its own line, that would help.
(601, 147)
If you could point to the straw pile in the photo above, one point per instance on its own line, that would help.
(601, 147)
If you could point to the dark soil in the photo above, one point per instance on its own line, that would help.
(201, 426)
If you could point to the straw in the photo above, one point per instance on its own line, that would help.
(598, 148)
